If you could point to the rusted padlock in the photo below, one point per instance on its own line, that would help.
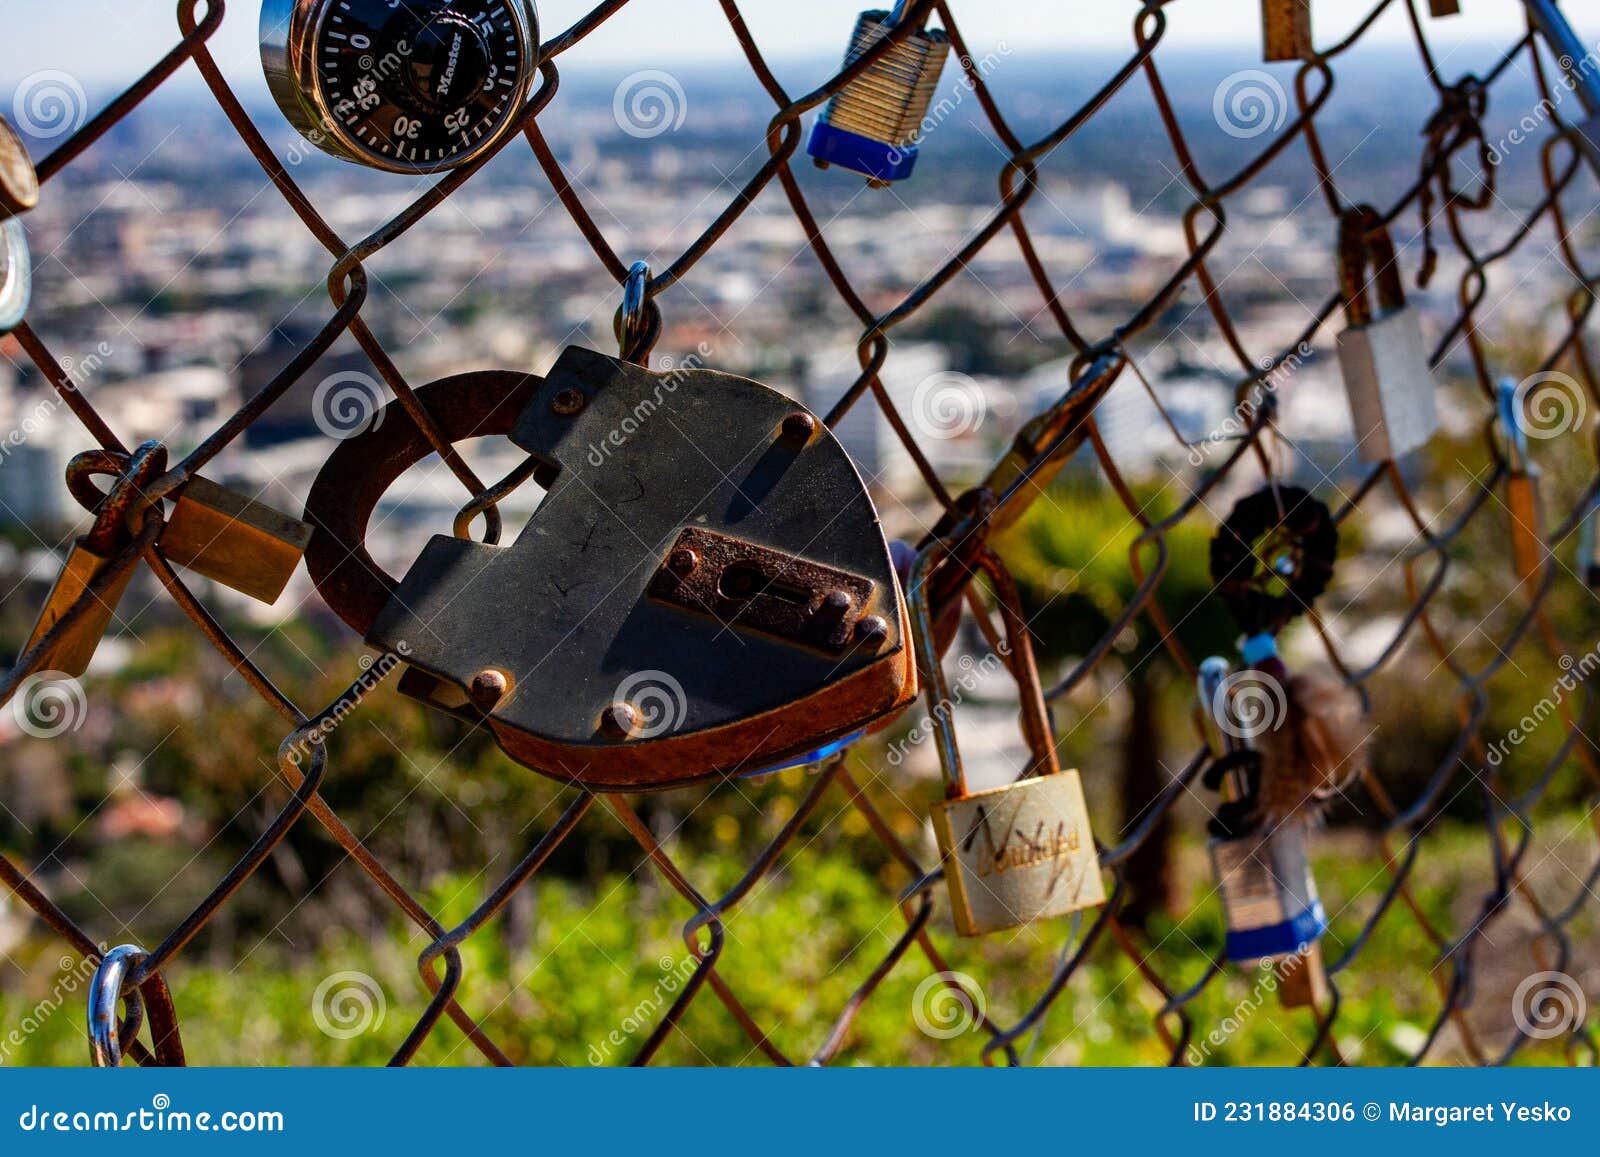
(1381, 353)
(1522, 485)
(1286, 30)
(1023, 851)
(705, 589)
(90, 555)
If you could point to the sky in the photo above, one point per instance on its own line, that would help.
(105, 42)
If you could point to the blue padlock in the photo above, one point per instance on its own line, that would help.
(873, 124)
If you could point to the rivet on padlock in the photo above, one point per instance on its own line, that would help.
(1577, 60)
(1024, 851)
(234, 540)
(407, 88)
(872, 125)
(1286, 30)
(89, 556)
(1268, 894)
(1522, 485)
(1381, 353)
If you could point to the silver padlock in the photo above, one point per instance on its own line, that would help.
(1381, 353)
(1268, 893)
(1024, 851)
(403, 87)
(873, 124)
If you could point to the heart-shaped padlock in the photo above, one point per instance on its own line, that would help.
(705, 588)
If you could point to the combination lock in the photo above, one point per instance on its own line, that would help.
(408, 86)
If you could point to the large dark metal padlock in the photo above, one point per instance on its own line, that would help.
(871, 126)
(1024, 851)
(413, 87)
(704, 590)
(1381, 353)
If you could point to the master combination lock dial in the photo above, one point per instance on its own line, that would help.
(408, 86)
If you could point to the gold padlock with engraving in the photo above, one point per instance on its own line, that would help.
(1024, 851)
(234, 540)
(90, 555)
(1286, 30)
(1522, 486)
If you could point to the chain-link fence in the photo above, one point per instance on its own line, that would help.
(1427, 566)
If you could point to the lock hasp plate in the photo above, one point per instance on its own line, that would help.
(1018, 853)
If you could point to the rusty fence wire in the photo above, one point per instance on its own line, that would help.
(1452, 137)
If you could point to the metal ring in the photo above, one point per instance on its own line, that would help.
(638, 320)
(105, 1031)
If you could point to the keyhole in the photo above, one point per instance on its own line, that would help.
(744, 580)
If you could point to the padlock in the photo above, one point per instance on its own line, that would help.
(1286, 30)
(1269, 896)
(1577, 61)
(1024, 851)
(234, 540)
(873, 124)
(1381, 354)
(1444, 7)
(1589, 547)
(407, 88)
(19, 183)
(1522, 485)
(704, 590)
(89, 556)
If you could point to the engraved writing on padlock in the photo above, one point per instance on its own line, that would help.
(1023, 851)
(1382, 356)
(871, 126)
(408, 88)
(704, 589)
(1268, 894)
(1286, 29)
(234, 540)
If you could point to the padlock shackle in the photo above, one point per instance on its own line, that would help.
(898, 13)
(1035, 715)
(133, 472)
(1508, 405)
(1568, 49)
(1366, 253)
(638, 320)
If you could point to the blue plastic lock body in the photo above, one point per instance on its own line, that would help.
(872, 159)
(810, 757)
(1294, 935)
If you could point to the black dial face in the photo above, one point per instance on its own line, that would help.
(422, 83)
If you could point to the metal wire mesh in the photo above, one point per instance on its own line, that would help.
(1453, 131)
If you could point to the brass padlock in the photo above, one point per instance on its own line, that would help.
(1269, 896)
(704, 590)
(1024, 851)
(403, 87)
(19, 183)
(1381, 354)
(89, 556)
(1286, 30)
(873, 124)
(234, 540)
(1522, 485)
